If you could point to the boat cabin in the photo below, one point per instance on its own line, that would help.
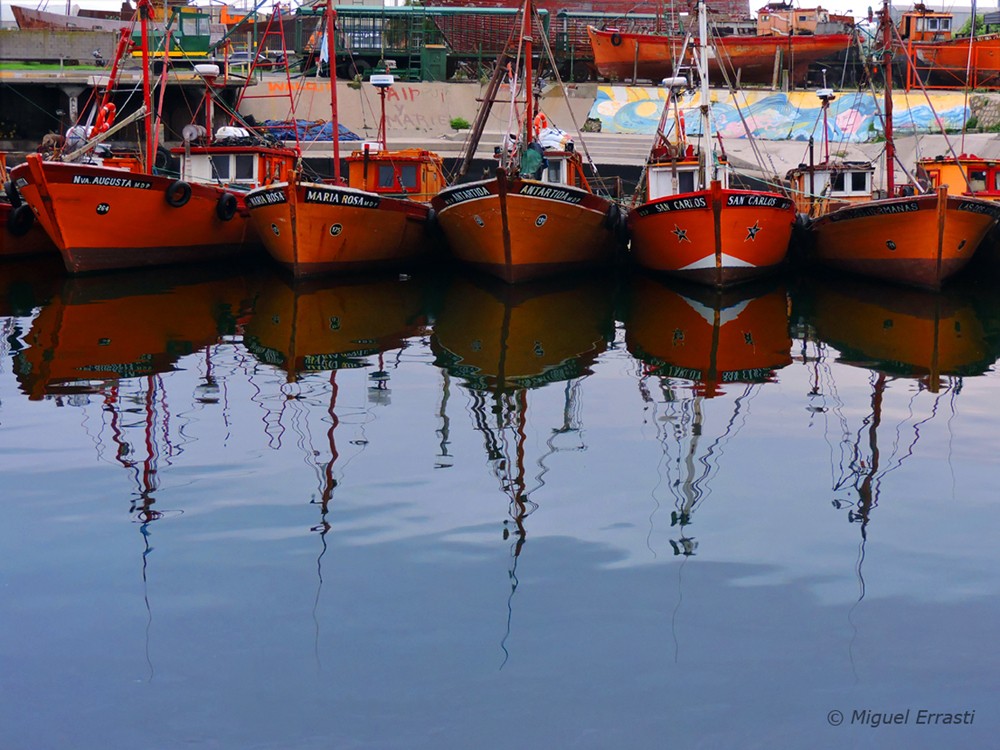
(822, 188)
(969, 175)
(408, 173)
(923, 25)
(675, 170)
(782, 19)
(238, 167)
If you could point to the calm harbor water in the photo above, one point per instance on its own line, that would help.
(430, 511)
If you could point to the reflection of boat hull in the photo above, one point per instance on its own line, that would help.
(717, 237)
(93, 331)
(305, 327)
(712, 339)
(918, 241)
(314, 229)
(621, 55)
(498, 337)
(102, 218)
(911, 332)
(518, 230)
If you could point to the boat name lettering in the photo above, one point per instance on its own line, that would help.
(768, 201)
(341, 361)
(753, 374)
(267, 198)
(674, 204)
(556, 194)
(889, 208)
(125, 182)
(337, 198)
(979, 208)
(466, 194)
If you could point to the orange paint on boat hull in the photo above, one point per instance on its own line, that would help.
(717, 237)
(314, 229)
(518, 230)
(651, 56)
(34, 242)
(918, 241)
(101, 218)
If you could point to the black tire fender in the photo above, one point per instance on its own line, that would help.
(226, 207)
(13, 197)
(616, 40)
(20, 220)
(178, 194)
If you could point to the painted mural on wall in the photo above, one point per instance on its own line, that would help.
(793, 116)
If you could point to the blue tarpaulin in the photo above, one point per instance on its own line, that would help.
(308, 130)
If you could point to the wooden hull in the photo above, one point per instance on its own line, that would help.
(519, 230)
(102, 218)
(34, 242)
(314, 229)
(717, 237)
(918, 241)
(626, 55)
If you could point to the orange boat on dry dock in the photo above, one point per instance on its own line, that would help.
(911, 238)
(378, 220)
(119, 211)
(691, 223)
(538, 216)
(626, 56)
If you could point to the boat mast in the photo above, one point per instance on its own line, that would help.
(890, 146)
(331, 16)
(145, 8)
(705, 94)
(528, 84)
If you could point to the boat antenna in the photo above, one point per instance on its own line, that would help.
(331, 53)
(890, 145)
(706, 126)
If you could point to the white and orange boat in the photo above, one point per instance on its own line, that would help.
(908, 237)
(691, 223)
(122, 211)
(378, 220)
(538, 216)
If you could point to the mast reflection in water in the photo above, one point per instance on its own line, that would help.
(357, 498)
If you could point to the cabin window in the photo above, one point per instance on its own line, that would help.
(803, 18)
(408, 176)
(554, 171)
(859, 182)
(386, 176)
(921, 26)
(685, 182)
(996, 180)
(945, 24)
(244, 167)
(837, 183)
(932, 24)
(977, 180)
(220, 167)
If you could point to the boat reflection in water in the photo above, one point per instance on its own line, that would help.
(310, 331)
(91, 335)
(902, 337)
(503, 341)
(695, 345)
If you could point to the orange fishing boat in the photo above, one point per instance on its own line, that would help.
(377, 220)
(912, 238)
(20, 234)
(691, 223)
(538, 216)
(624, 55)
(928, 38)
(712, 338)
(121, 211)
